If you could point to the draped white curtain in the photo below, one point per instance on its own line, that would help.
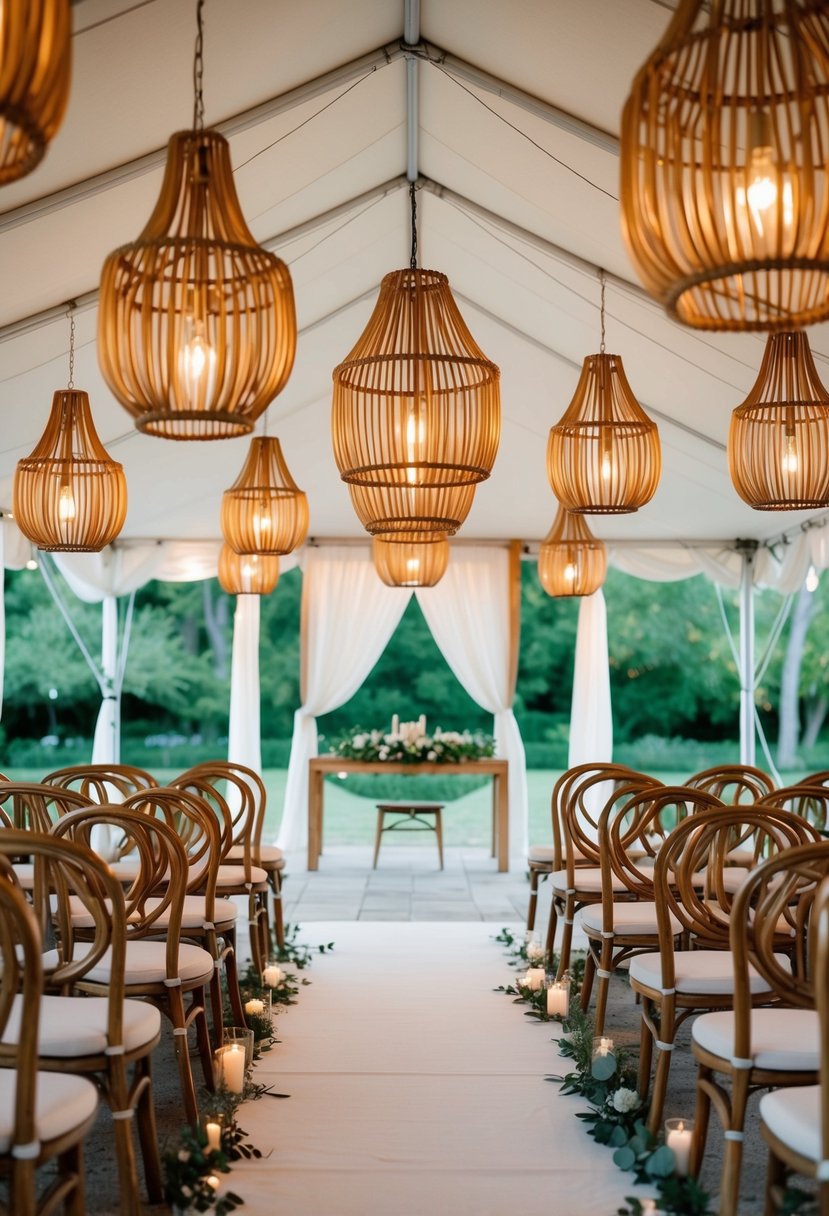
(470, 615)
(244, 743)
(591, 720)
(348, 617)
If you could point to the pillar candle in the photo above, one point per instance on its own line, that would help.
(534, 978)
(254, 1006)
(273, 975)
(232, 1068)
(558, 999)
(678, 1138)
(214, 1135)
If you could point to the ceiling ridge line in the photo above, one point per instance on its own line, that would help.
(280, 103)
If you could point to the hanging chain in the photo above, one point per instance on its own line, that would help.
(413, 200)
(198, 70)
(601, 310)
(70, 312)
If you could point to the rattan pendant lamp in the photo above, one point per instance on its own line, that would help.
(196, 323)
(420, 563)
(571, 560)
(778, 442)
(603, 455)
(247, 573)
(264, 511)
(69, 496)
(35, 68)
(416, 415)
(724, 162)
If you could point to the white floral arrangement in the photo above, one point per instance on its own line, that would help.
(411, 744)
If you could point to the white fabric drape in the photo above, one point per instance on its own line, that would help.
(469, 614)
(244, 744)
(348, 617)
(591, 720)
(106, 746)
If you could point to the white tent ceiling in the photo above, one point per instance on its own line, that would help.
(519, 184)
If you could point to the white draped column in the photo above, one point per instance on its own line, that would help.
(244, 744)
(591, 719)
(348, 617)
(473, 615)
(106, 746)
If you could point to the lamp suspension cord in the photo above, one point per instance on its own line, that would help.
(70, 312)
(601, 307)
(198, 70)
(413, 201)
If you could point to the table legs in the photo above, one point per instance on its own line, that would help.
(315, 794)
(500, 794)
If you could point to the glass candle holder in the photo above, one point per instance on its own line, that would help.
(213, 1132)
(534, 978)
(229, 1068)
(679, 1136)
(558, 996)
(241, 1036)
(603, 1058)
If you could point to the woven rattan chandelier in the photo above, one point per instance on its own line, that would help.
(603, 456)
(69, 496)
(196, 323)
(725, 144)
(778, 442)
(410, 563)
(416, 415)
(571, 560)
(247, 573)
(264, 511)
(35, 67)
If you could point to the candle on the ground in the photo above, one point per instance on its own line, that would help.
(273, 975)
(214, 1135)
(254, 1006)
(558, 999)
(602, 1046)
(213, 1182)
(679, 1134)
(534, 978)
(232, 1068)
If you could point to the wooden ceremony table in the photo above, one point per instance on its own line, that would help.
(320, 766)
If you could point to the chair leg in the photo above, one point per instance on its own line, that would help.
(278, 917)
(552, 925)
(645, 1051)
(663, 1065)
(439, 830)
(185, 1073)
(130, 1204)
(217, 1008)
(71, 1162)
(566, 936)
(377, 838)
(775, 1181)
(603, 971)
(587, 982)
(197, 1008)
(702, 1114)
(22, 1189)
(232, 976)
(733, 1148)
(148, 1131)
(531, 910)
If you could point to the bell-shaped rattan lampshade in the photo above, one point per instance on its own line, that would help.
(395, 513)
(407, 563)
(603, 456)
(724, 162)
(264, 511)
(416, 407)
(35, 68)
(778, 442)
(571, 560)
(69, 496)
(247, 573)
(196, 322)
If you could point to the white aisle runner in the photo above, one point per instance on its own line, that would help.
(416, 1090)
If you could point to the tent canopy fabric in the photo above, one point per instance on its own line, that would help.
(517, 146)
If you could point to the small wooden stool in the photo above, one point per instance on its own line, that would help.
(411, 819)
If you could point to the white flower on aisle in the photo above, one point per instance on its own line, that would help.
(625, 1100)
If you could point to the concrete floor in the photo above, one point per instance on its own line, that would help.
(406, 886)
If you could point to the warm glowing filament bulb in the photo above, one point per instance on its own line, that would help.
(570, 572)
(415, 435)
(261, 523)
(67, 510)
(607, 467)
(791, 463)
(413, 566)
(761, 191)
(197, 363)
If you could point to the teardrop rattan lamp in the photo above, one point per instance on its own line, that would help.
(35, 69)
(196, 323)
(410, 563)
(603, 455)
(69, 496)
(247, 573)
(778, 442)
(571, 560)
(264, 511)
(416, 415)
(724, 190)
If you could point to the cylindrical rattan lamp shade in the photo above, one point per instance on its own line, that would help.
(196, 322)
(35, 69)
(416, 403)
(410, 563)
(603, 456)
(264, 511)
(571, 560)
(247, 573)
(393, 513)
(778, 442)
(69, 496)
(724, 151)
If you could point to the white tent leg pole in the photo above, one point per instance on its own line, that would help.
(244, 745)
(747, 661)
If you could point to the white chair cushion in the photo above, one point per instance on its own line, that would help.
(543, 854)
(780, 1038)
(635, 917)
(732, 879)
(229, 876)
(586, 878)
(707, 972)
(793, 1116)
(25, 872)
(80, 1029)
(267, 852)
(192, 913)
(62, 1102)
(147, 964)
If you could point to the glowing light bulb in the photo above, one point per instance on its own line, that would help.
(607, 467)
(67, 510)
(791, 461)
(197, 365)
(249, 564)
(262, 525)
(761, 191)
(570, 572)
(415, 436)
(812, 580)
